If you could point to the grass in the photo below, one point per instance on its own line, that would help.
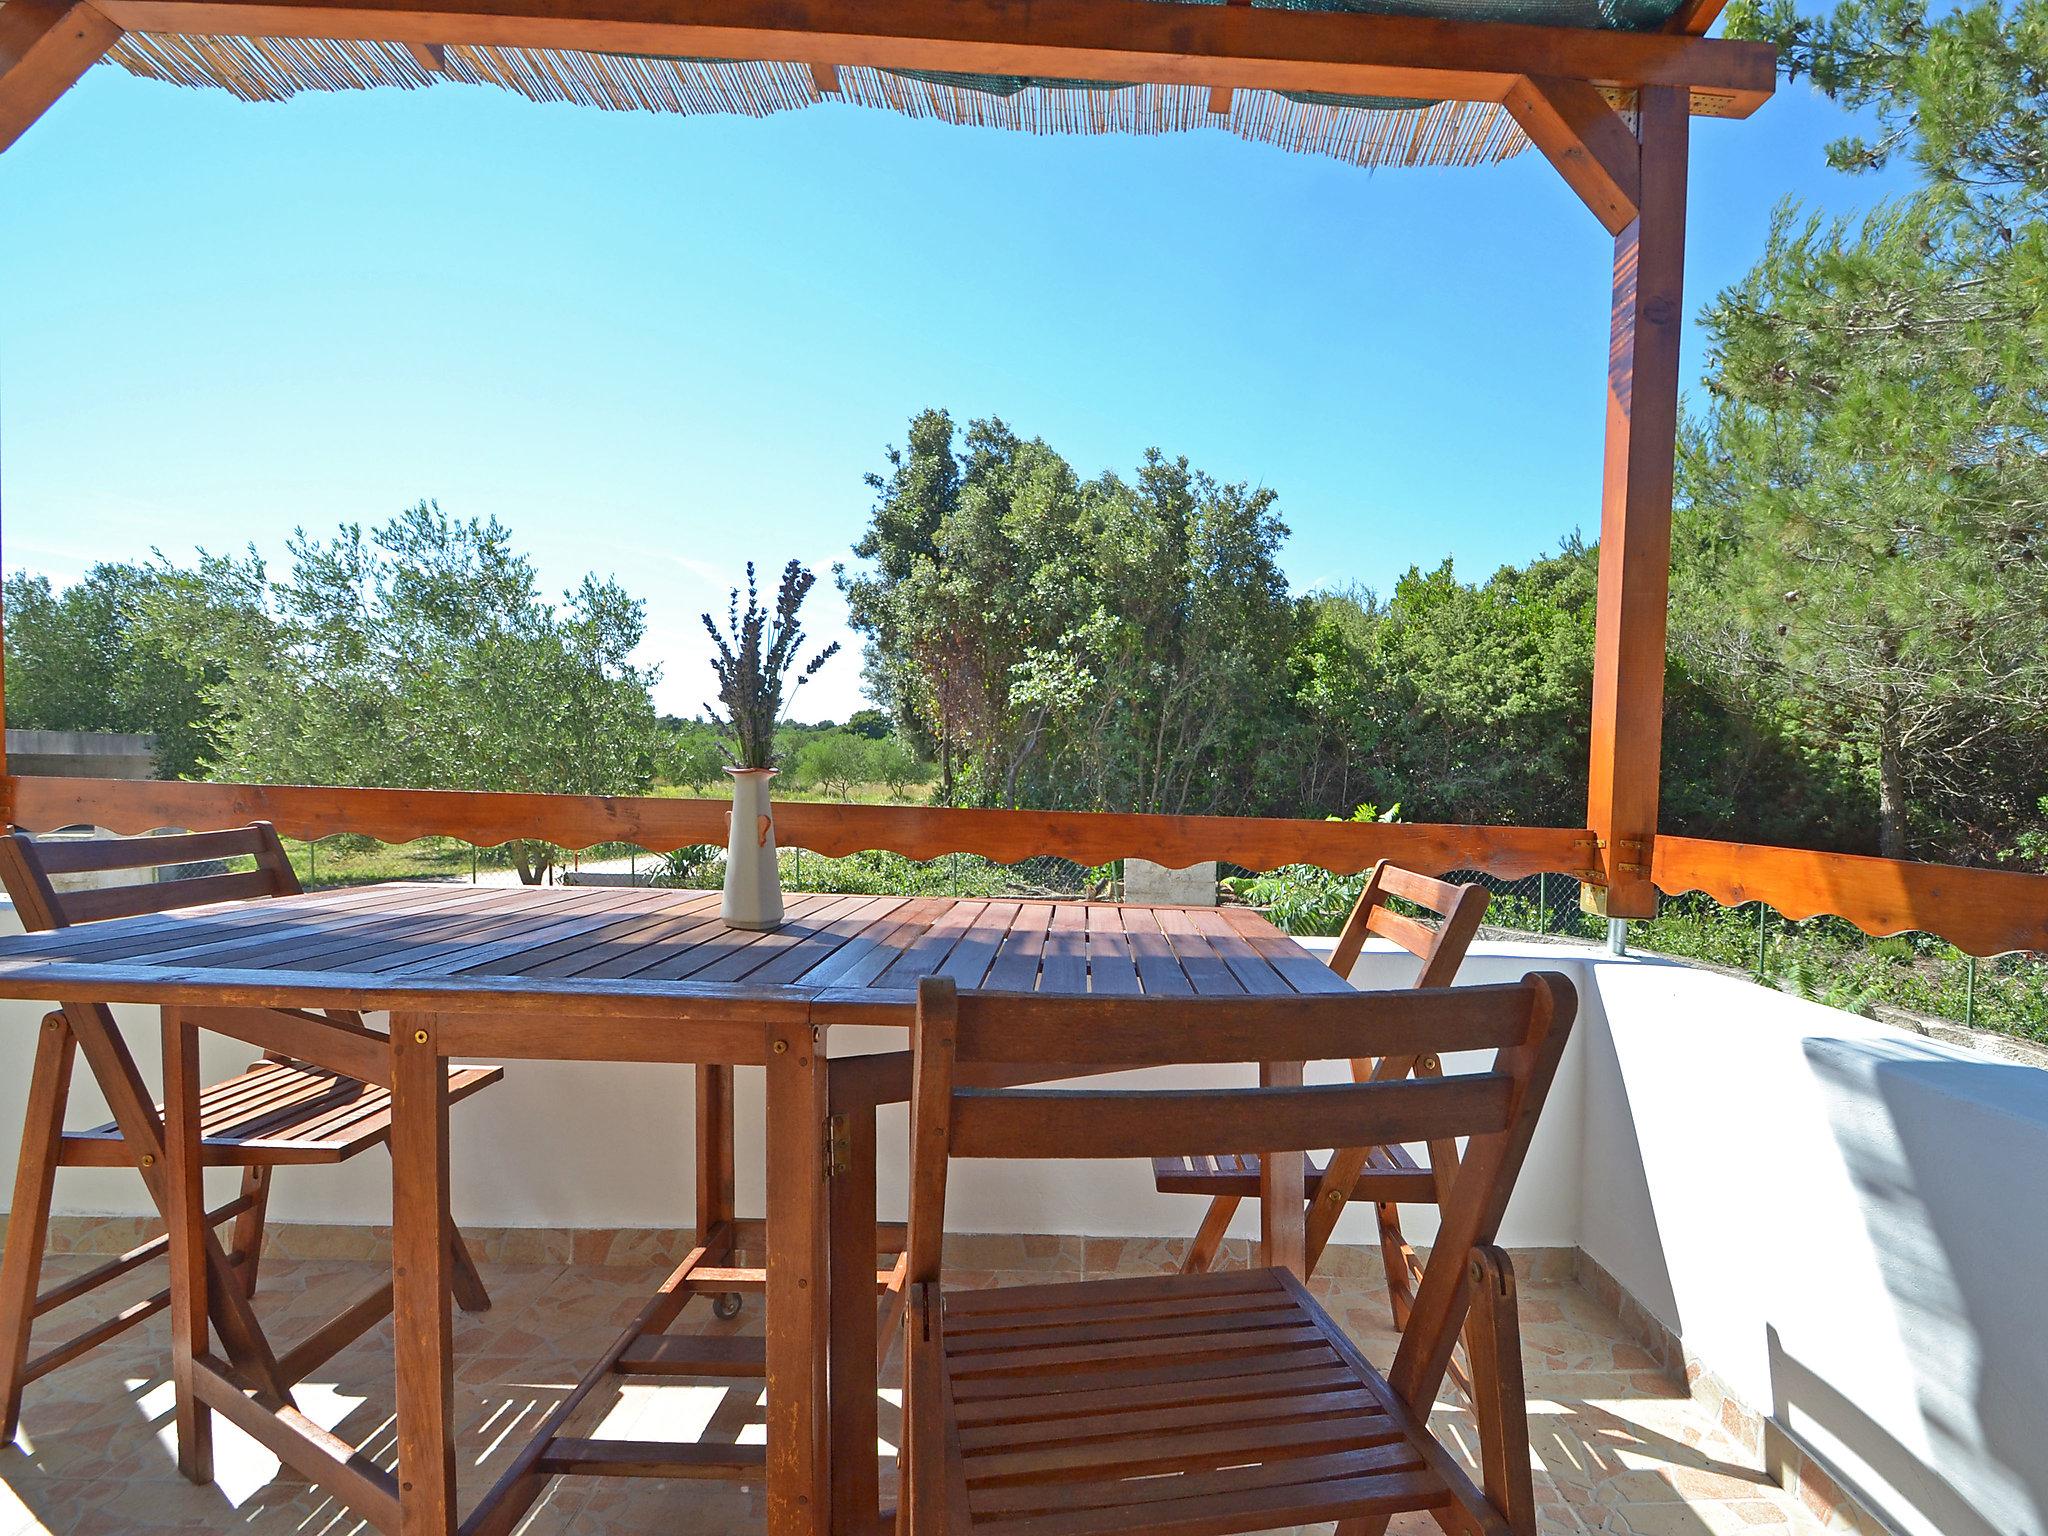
(349, 860)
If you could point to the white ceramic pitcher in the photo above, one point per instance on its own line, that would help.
(753, 884)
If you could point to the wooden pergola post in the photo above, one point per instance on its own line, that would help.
(1635, 515)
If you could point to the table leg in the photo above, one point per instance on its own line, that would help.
(1283, 1213)
(715, 1154)
(184, 1212)
(851, 1372)
(422, 1262)
(799, 1282)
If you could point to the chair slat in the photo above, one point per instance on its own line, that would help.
(1056, 1295)
(1109, 1123)
(282, 1112)
(1386, 1177)
(1258, 1509)
(1030, 1497)
(1138, 1032)
(1440, 896)
(990, 1345)
(1152, 1418)
(1227, 1382)
(1416, 937)
(98, 855)
(163, 896)
(1178, 1449)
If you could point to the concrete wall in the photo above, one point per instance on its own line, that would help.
(1848, 1224)
(81, 754)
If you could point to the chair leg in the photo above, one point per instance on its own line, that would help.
(245, 1243)
(1209, 1237)
(894, 1308)
(464, 1281)
(1500, 1404)
(28, 1227)
(1399, 1261)
(1403, 1273)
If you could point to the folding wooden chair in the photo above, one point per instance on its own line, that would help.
(1223, 1402)
(276, 1113)
(1386, 1175)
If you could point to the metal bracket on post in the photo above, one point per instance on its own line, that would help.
(1591, 874)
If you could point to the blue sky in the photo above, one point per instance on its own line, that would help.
(657, 346)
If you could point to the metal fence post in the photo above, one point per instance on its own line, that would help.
(1762, 917)
(1617, 935)
(1970, 994)
(312, 860)
(1542, 902)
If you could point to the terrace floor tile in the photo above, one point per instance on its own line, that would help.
(1619, 1447)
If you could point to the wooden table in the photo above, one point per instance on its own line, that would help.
(621, 976)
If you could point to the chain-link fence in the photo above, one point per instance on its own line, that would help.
(1914, 976)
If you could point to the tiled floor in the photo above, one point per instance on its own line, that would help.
(1621, 1448)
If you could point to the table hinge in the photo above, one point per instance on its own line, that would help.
(835, 1146)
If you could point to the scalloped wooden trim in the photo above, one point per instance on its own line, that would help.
(918, 832)
(1980, 911)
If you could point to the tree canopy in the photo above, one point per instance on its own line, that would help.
(1864, 498)
(115, 651)
(1065, 642)
(421, 654)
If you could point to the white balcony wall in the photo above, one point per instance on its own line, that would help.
(574, 1144)
(1848, 1224)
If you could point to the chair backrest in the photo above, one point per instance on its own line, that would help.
(1459, 909)
(967, 1035)
(27, 865)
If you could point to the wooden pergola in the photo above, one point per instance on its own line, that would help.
(1610, 109)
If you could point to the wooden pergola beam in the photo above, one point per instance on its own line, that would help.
(45, 45)
(1142, 40)
(1587, 140)
(1635, 516)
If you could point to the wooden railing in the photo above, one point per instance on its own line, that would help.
(1982, 911)
(916, 831)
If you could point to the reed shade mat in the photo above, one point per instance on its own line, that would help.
(275, 68)
(1362, 130)
(601, 975)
